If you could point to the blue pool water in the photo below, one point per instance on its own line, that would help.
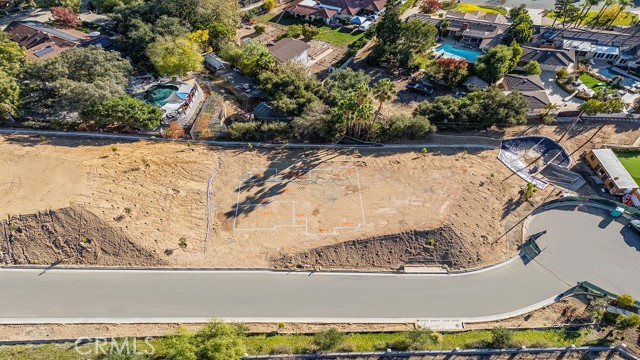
(158, 94)
(609, 73)
(467, 54)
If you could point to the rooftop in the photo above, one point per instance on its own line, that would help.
(522, 82)
(612, 165)
(552, 57)
(288, 49)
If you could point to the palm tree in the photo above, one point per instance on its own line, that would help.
(383, 91)
(588, 4)
(623, 5)
(549, 108)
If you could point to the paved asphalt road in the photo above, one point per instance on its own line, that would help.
(578, 246)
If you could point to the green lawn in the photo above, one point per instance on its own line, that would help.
(486, 9)
(631, 162)
(592, 82)
(336, 36)
(264, 344)
(624, 19)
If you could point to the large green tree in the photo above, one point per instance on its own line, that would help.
(383, 91)
(498, 61)
(521, 31)
(75, 80)
(12, 58)
(123, 112)
(291, 87)
(175, 56)
(340, 82)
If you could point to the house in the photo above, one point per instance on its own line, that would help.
(330, 10)
(530, 86)
(289, 49)
(474, 83)
(43, 42)
(266, 112)
(476, 29)
(549, 59)
(609, 169)
(620, 46)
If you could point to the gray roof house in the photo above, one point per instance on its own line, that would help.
(530, 86)
(289, 49)
(549, 59)
(477, 29)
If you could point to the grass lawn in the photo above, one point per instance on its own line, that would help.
(486, 9)
(624, 19)
(264, 344)
(631, 162)
(592, 82)
(336, 36)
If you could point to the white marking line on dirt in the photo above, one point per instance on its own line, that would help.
(250, 177)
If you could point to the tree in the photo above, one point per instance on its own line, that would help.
(418, 36)
(9, 100)
(604, 8)
(627, 322)
(309, 32)
(565, 10)
(219, 34)
(601, 103)
(404, 127)
(174, 56)
(518, 11)
(74, 80)
(169, 26)
(430, 6)
(328, 339)
(444, 26)
(341, 81)
(496, 62)
(588, 4)
(65, 16)
(315, 124)
(200, 37)
(550, 107)
(625, 300)
(388, 32)
(12, 55)
(268, 5)
(69, 4)
(533, 68)
(355, 111)
(451, 71)
(291, 88)
(123, 112)
(383, 91)
(521, 31)
(180, 347)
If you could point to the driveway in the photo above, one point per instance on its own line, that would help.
(556, 94)
(577, 246)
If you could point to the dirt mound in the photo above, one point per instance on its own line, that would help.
(69, 236)
(440, 246)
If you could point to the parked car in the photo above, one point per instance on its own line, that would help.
(634, 224)
(419, 88)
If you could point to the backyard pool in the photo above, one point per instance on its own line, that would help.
(449, 50)
(631, 161)
(158, 94)
(610, 73)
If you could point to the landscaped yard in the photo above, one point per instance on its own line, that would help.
(339, 36)
(593, 83)
(624, 19)
(631, 162)
(486, 9)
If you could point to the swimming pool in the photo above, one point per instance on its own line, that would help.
(158, 94)
(452, 51)
(610, 73)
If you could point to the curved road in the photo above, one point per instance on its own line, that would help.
(578, 246)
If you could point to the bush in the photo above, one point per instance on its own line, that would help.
(175, 130)
(346, 348)
(327, 340)
(420, 339)
(562, 74)
(404, 127)
(399, 345)
(260, 29)
(533, 68)
(625, 300)
(627, 322)
(501, 338)
(611, 318)
(275, 130)
(280, 350)
(269, 4)
(244, 131)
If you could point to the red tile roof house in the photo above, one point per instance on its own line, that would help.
(329, 10)
(43, 42)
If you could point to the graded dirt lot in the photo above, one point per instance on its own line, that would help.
(67, 202)
(264, 205)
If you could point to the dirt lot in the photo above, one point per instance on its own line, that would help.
(146, 204)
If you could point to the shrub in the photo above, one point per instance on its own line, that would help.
(269, 4)
(346, 348)
(280, 350)
(244, 131)
(501, 338)
(562, 73)
(327, 340)
(611, 318)
(625, 300)
(627, 322)
(420, 339)
(65, 16)
(533, 68)
(260, 29)
(399, 345)
(293, 31)
(175, 130)
(398, 127)
(275, 130)
(308, 32)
